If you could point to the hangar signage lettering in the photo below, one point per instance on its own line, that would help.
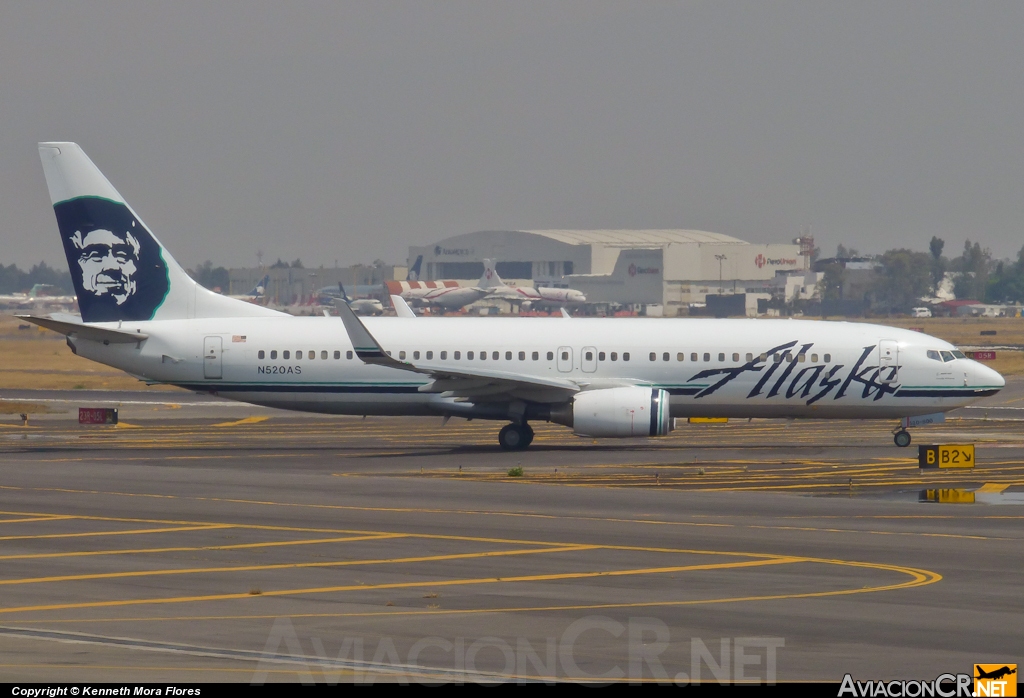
(634, 270)
(760, 260)
(452, 251)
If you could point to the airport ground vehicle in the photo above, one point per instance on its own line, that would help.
(602, 377)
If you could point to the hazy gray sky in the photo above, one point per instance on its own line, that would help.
(350, 130)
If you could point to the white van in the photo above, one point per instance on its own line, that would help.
(920, 312)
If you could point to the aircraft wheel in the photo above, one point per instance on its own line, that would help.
(513, 437)
(902, 438)
(529, 434)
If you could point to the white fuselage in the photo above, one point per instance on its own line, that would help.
(449, 297)
(727, 368)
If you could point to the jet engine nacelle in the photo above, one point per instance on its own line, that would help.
(617, 412)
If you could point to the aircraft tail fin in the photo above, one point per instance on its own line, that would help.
(119, 269)
(414, 270)
(260, 289)
(490, 278)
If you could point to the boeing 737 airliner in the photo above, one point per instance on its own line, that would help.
(140, 312)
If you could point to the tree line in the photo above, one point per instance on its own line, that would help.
(901, 276)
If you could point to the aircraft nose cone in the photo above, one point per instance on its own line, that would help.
(987, 377)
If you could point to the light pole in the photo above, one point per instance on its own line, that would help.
(721, 258)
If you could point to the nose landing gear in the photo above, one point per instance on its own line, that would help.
(515, 437)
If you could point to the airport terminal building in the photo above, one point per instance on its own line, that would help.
(672, 268)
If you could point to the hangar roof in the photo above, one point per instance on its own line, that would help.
(632, 238)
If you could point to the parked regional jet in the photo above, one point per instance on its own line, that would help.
(531, 297)
(450, 295)
(602, 377)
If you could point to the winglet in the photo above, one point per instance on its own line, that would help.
(565, 314)
(402, 308)
(366, 347)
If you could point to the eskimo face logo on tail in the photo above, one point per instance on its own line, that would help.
(115, 263)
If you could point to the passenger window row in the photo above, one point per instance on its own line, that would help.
(778, 358)
(442, 355)
(310, 355)
(300, 354)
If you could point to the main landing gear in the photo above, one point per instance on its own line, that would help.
(901, 438)
(515, 437)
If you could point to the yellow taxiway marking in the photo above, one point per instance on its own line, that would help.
(237, 546)
(240, 422)
(918, 578)
(204, 527)
(560, 576)
(298, 565)
(993, 487)
(55, 517)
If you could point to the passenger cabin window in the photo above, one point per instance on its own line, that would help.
(735, 357)
(286, 354)
(430, 355)
(750, 357)
(470, 355)
(828, 358)
(777, 358)
(801, 357)
(262, 354)
(565, 356)
(312, 355)
(600, 356)
(273, 353)
(654, 357)
(721, 357)
(401, 355)
(625, 356)
(337, 354)
(323, 355)
(665, 356)
(693, 356)
(535, 356)
(763, 357)
(522, 356)
(814, 358)
(551, 356)
(483, 356)
(444, 355)
(508, 356)
(416, 355)
(348, 355)
(707, 357)
(680, 356)
(615, 357)
(589, 356)
(494, 355)
(457, 355)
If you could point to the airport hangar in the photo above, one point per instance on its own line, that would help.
(667, 268)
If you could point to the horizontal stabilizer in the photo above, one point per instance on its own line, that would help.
(90, 332)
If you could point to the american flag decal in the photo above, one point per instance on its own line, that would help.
(238, 338)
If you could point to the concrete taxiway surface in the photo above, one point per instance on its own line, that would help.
(202, 540)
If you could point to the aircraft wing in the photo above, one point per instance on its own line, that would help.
(91, 332)
(475, 384)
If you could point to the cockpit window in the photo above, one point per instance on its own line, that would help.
(959, 354)
(932, 354)
(947, 356)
